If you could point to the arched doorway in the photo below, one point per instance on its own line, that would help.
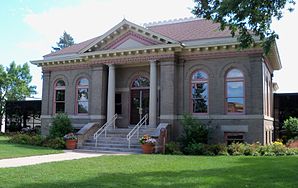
(139, 99)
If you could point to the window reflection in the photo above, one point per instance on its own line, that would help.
(199, 91)
(82, 96)
(59, 106)
(235, 91)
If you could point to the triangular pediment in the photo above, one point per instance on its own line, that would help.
(127, 35)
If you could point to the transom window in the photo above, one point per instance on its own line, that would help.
(141, 82)
(199, 92)
(82, 96)
(235, 92)
(59, 106)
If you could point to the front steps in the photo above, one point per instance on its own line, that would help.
(115, 141)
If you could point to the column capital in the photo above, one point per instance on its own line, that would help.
(111, 65)
(153, 61)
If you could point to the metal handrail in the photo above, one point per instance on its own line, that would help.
(136, 129)
(104, 128)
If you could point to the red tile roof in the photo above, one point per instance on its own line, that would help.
(191, 30)
(72, 49)
(180, 31)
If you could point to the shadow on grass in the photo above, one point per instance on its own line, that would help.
(243, 172)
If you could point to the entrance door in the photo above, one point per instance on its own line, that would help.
(139, 105)
(139, 99)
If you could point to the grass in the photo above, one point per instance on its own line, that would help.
(8, 150)
(157, 171)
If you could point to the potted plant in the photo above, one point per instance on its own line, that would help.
(147, 144)
(71, 141)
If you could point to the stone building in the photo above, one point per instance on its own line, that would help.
(165, 70)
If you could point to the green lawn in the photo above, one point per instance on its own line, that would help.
(8, 150)
(154, 171)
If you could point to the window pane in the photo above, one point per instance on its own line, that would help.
(200, 105)
(117, 98)
(83, 107)
(199, 75)
(60, 95)
(200, 97)
(83, 82)
(234, 73)
(235, 89)
(200, 90)
(141, 82)
(60, 106)
(83, 94)
(235, 105)
(60, 83)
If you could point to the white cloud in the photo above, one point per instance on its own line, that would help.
(91, 18)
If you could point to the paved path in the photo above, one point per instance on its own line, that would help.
(67, 155)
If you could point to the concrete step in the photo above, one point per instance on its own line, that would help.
(113, 145)
(109, 149)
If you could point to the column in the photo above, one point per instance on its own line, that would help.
(153, 94)
(167, 92)
(97, 97)
(111, 92)
(46, 93)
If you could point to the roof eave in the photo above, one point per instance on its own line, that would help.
(274, 58)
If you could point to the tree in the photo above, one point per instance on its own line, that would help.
(14, 84)
(244, 17)
(64, 41)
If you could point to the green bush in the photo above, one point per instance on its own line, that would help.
(35, 140)
(61, 125)
(173, 148)
(195, 149)
(194, 134)
(55, 143)
(291, 126)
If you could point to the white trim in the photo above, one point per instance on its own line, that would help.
(130, 24)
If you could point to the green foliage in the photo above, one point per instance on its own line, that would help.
(173, 148)
(14, 84)
(291, 126)
(61, 125)
(195, 149)
(55, 143)
(244, 17)
(35, 140)
(64, 41)
(194, 131)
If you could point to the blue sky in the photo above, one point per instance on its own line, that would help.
(30, 27)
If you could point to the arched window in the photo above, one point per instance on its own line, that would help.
(235, 92)
(82, 96)
(199, 92)
(141, 82)
(59, 102)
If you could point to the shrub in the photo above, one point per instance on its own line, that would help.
(291, 126)
(61, 125)
(195, 149)
(173, 148)
(36, 140)
(194, 132)
(216, 149)
(55, 143)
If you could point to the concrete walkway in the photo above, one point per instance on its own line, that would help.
(67, 155)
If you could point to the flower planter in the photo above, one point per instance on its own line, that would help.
(293, 144)
(147, 148)
(71, 144)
